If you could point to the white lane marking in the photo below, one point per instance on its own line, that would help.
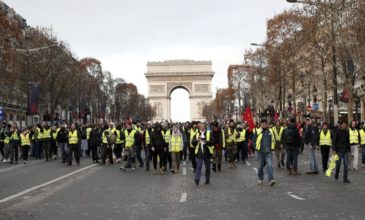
(45, 184)
(248, 163)
(295, 197)
(11, 168)
(183, 197)
(256, 170)
(184, 163)
(184, 171)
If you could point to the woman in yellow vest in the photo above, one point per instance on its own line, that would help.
(325, 143)
(362, 142)
(355, 145)
(14, 143)
(175, 148)
(25, 144)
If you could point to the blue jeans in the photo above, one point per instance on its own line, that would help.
(313, 167)
(265, 159)
(345, 158)
(199, 166)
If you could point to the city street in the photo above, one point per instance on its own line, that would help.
(49, 190)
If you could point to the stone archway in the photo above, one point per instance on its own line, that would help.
(193, 76)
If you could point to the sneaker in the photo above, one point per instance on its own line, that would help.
(346, 181)
(259, 182)
(118, 160)
(272, 183)
(282, 164)
(122, 168)
(133, 168)
(206, 182)
(197, 182)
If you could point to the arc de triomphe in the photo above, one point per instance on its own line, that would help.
(193, 76)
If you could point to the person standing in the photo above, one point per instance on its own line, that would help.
(107, 151)
(355, 145)
(186, 129)
(14, 143)
(362, 142)
(158, 145)
(62, 139)
(25, 144)
(47, 138)
(310, 139)
(95, 142)
(54, 142)
(192, 132)
(279, 146)
(219, 145)
(138, 143)
(176, 147)
(119, 143)
(341, 147)
(147, 144)
(2, 137)
(242, 143)
(129, 150)
(265, 145)
(325, 144)
(74, 139)
(291, 140)
(231, 139)
(203, 151)
(166, 133)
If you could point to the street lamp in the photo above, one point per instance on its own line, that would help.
(257, 45)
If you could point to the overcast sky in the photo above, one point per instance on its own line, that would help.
(125, 34)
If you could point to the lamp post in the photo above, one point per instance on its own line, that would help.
(334, 56)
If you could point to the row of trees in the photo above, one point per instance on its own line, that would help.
(80, 86)
(317, 46)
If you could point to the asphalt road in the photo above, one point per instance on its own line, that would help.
(50, 190)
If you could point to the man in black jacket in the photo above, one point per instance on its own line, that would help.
(310, 133)
(291, 141)
(158, 147)
(341, 147)
(62, 139)
(95, 142)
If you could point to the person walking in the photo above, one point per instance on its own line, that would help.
(176, 147)
(74, 139)
(341, 147)
(95, 142)
(325, 144)
(310, 139)
(291, 140)
(219, 145)
(147, 144)
(265, 145)
(231, 146)
(62, 139)
(242, 146)
(129, 150)
(14, 143)
(46, 139)
(362, 142)
(203, 151)
(355, 145)
(279, 146)
(158, 145)
(166, 133)
(25, 144)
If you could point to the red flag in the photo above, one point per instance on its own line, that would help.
(247, 116)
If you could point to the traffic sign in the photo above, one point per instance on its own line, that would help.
(315, 106)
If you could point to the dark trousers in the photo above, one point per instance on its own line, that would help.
(169, 158)
(88, 148)
(14, 152)
(54, 150)
(158, 152)
(94, 151)
(325, 151)
(107, 152)
(118, 151)
(345, 157)
(64, 152)
(39, 149)
(138, 154)
(73, 149)
(184, 153)
(192, 157)
(199, 165)
(242, 149)
(47, 149)
(292, 158)
(363, 153)
(2, 149)
(148, 152)
(25, 152)
(239, 151)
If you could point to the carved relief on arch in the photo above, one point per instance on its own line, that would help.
(201, 87)
(173, 85)
(157, 89)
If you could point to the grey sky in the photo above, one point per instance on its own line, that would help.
(125, 34)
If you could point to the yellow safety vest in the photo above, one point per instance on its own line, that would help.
(176, 144)
(242, 137)
(72, 137)
(118, 140)
(46, 133)
(88, 131)
(278, 135)
(6, 139)
(233, 138)
(354, 136)
(211, 148)
(325, 139)
(54, 134)
(362, 136)
(147, 137)
(166, 136)
(14, 136)
(24, 140)
(192, 134)
(129, 138)
(259, 138)
(39, 134)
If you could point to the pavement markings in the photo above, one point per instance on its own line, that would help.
(11, 168)
(184, 168)
(183, 197)
(295, 197)
(44, 184)
(256, 170)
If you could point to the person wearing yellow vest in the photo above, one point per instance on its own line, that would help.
(279, 146)
(118, 143)
(25, 144)
(251, 150)
(46, 140)
(138, 143)
(158, 145)
(129, 151)
(147, 144)
(54, 142)
(7, 143)
(325, 144)
(355, 145)
(192, 132)
(241, 143)
(362, 142)
(14, 143)
(2, 137)
(88, 131)
(74, 139)
(219, 145)
(175, 148)
(108, 141)
(265, 145)
(204, 149)
(166, 133)
(231, 143)
(62, 139)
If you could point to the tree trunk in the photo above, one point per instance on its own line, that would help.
(325, 96)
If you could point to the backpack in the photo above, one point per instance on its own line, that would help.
(289, 136)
